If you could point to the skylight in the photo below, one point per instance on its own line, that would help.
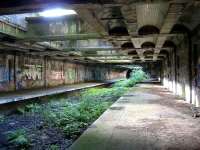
(57, 12)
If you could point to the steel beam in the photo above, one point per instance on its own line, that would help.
(61, 37)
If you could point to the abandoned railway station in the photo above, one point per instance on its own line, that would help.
(100, 75)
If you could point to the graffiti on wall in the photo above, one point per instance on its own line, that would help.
(55, 70)
(4, 73)
(6, 68)
(31, 72)
(56, 75)
(28, 75)
(71, 74)
(198, 75)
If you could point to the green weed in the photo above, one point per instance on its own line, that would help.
(72, 118)
(54, 147)
(2, 118)
(20, 110)
(18, 138)
(33, 108)
(136, 76)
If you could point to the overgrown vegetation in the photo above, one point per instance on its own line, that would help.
(54, 147)
(31, 108)
(2, 118)
(72, 118)
(136, 76)
(18, 138)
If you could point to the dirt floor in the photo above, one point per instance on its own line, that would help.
(148, 117)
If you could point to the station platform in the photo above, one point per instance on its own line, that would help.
(9, 97)
(148, 117)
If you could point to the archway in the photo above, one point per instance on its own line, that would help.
(148, 29)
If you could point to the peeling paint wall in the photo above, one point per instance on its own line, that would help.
(21, 71)
(176, 71)
(54, 73)
(56, 26)
(7, 73)
(180, 71)
(153, 69)
(29, 72)
(196, 75)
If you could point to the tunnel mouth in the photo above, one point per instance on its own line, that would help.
(128, 74)
(148, 29)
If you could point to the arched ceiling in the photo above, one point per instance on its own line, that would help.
(116, 28)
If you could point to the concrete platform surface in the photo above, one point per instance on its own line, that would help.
(148, 117)
(33, 93)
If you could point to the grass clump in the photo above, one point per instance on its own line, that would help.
(53, 147)
(18, 138)
(136, 77)
(20, 110)
(30, 108)
(103, 94)
(33, 108)
(2, 118)
(73, 118)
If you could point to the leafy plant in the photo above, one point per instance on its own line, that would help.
(2, 118)
(72, 118)
(18, 138)
(54, 147)
(32, 108)
(136, 76)
(20, 110)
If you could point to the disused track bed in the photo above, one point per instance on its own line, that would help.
(55, 122)
(17, 96)
(33, 119)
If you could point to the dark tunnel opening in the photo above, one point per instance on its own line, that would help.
(128, 74)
